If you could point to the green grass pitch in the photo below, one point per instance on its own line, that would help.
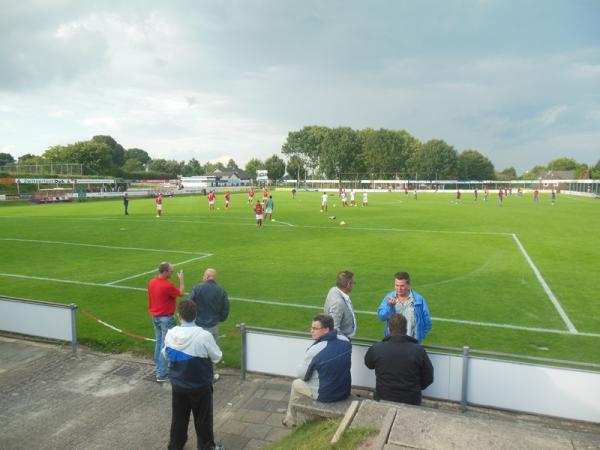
(464, 258)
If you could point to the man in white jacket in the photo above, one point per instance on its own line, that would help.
(191, 352)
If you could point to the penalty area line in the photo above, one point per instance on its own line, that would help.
(546, 288)
(79, 244)
(137, 275)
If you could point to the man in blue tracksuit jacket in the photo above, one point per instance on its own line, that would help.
(412, 305)
(191, 352)
(324, 374)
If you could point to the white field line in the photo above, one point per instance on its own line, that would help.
(320, 227)
(546, 288)
(299, 305)
(78, 244)
(154, 270)
(285, 223)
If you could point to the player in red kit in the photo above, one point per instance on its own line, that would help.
(227, 197)
(258, 210)
(250, 196)
(211, 200)
(158, 202)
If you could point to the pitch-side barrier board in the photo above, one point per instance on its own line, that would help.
(531, 388)
(42, 319)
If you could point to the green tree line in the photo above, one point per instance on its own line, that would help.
(313, 151)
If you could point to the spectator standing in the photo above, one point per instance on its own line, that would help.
(324, 375)
(410, 304)
(402, 367)
(212, 304)
(191, 352)
(339, 306)
(162, 298)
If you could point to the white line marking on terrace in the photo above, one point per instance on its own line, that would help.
(298, 305)
(79, 244)
(546, 288)
(154, 270)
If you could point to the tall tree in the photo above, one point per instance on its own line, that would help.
(563, 164)
(275, 167)
(137, 153)
(169, 167)
(211, 167)
(117, 151)
(596, 171)
(28, 158)
(341, 153)
(385, 153)
(94, 156)
(296, 168)
(509, 173)
(193, 167)
(306, 144)
(434, 160)
(253, 165)
(472, 165)
(231, 165)
(534, 173)
(132, 165)
(6, 158)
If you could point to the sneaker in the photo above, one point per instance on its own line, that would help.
(219, 447)
(162, 379)
(216, 377)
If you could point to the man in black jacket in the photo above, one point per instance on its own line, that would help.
(402, 367)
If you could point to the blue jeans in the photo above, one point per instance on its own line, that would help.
(161, 325)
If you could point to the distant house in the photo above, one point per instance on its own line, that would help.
(236, 177)
(557, 177)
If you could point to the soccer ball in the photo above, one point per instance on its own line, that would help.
(342, 223)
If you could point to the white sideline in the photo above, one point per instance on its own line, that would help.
(298, 305)
(154, 270)
(546, 288)
(106, 246)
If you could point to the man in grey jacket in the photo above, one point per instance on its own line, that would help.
(339, 306)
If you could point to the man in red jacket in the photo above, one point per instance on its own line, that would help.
(162, 296)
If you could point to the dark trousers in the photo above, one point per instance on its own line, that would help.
(200, 403)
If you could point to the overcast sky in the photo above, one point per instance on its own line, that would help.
(212, 80)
